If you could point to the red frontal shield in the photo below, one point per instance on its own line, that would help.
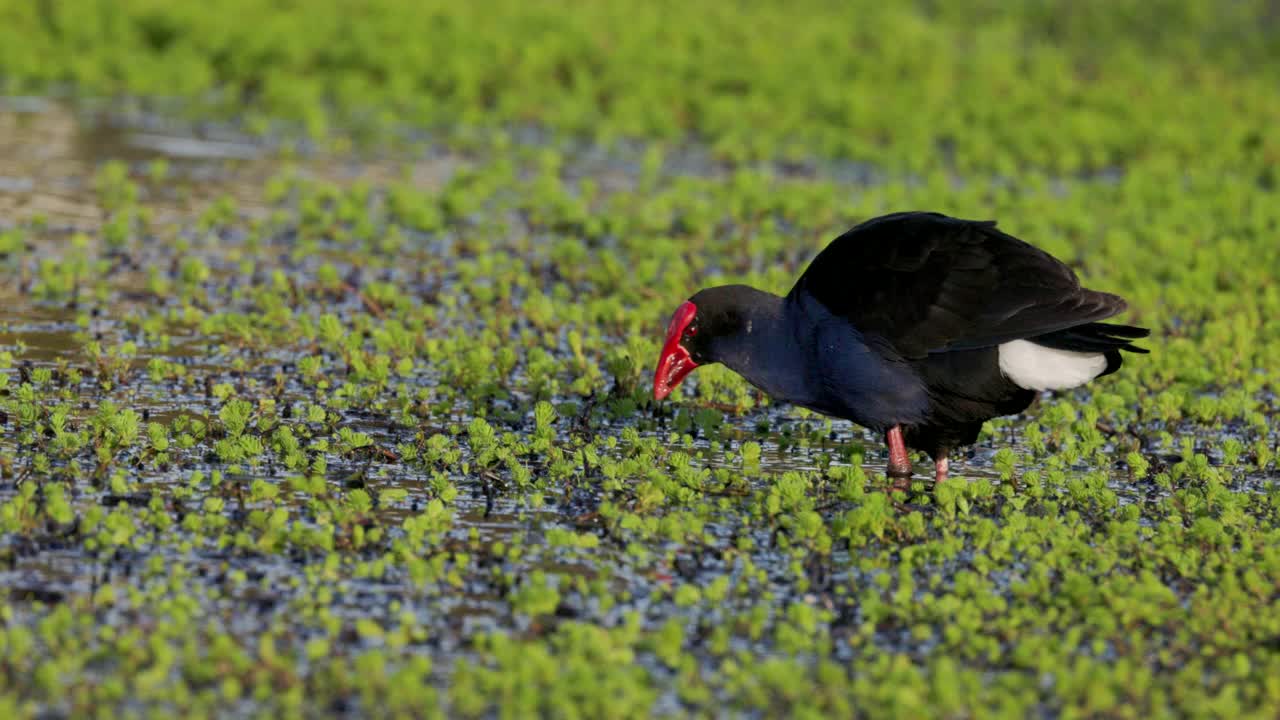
(674, 363)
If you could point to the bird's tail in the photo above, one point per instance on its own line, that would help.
(1106, 338)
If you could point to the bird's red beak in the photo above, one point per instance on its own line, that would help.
(674, 363)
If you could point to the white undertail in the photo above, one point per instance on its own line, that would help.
(1036, 367)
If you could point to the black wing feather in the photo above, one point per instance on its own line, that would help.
(928, 283)
(1095, 337)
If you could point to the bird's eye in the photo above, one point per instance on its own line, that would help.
(691, 331)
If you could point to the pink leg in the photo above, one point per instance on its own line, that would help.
(940, 467)
(899, 463)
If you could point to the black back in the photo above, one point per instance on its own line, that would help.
(927, 283)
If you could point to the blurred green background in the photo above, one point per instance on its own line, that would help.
(1055, 85)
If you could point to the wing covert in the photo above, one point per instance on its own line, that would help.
(926, 282)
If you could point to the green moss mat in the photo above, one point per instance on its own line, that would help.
(373, 438)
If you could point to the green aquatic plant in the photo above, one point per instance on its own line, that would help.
(321, 433)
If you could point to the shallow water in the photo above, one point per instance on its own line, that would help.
(499, 535)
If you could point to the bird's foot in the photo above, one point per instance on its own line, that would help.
(898, 471)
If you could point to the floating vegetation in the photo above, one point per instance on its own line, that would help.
(368, 433)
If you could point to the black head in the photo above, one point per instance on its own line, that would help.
(703, 330)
